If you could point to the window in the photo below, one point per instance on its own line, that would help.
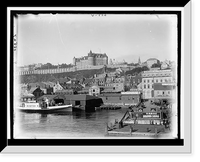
(106, 98)
(144, 86)
(144, 81)
(120, 98)
(93, 90)
(148, 86)
(163, 92)
(148, 81)
(161, 80)
(168, 92)
(156, 80)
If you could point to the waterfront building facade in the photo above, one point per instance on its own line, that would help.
(120, 99)
(151, 77)
(164, 91)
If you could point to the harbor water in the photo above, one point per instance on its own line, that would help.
(64, 125)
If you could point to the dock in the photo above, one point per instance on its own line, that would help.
(139, 130)
(108, 107)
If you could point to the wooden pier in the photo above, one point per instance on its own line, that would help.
(136, 130)
(108, 107)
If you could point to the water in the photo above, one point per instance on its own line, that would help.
(68, 124)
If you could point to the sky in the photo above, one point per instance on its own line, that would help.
(58, 38)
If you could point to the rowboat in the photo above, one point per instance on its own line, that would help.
(34, 107)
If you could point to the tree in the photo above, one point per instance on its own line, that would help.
(156, 65)
(137, 70)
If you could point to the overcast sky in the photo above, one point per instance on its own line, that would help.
(58, 38)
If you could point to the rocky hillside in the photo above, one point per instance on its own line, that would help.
(33, 78)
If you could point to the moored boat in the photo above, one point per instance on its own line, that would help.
(34, 107)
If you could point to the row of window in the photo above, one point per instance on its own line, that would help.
(148, 86)
(156, 80)
(163, 92)
(110, 85)
(166, 74)
(129, 98)
(134, 81)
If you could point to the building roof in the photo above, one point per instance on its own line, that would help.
(152, 59)
(51, 97)
(82, 97)
(160, 86)
(110, 90)
(65, 90)
(27, 95)
(63, 80)
(32, 89)
(51, 84)
(111, 95)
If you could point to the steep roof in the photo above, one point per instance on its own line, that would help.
(51, 97)
(32, 89)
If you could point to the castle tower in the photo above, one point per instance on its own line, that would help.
(105, 59)
(90, 58)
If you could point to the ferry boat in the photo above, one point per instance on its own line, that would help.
(34, 107)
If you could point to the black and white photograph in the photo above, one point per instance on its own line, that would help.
(96, 75)
(99, 77)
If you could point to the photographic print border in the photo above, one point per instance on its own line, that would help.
(93, 143)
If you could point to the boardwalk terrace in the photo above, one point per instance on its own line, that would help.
(93, 59)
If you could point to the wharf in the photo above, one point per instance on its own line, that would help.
(108, 107)
(137, 130)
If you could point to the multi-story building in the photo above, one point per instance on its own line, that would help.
(94, 90)
(118, 87)
(164, 91)
(151, 77)
(92, 59)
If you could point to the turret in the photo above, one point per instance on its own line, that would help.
(74, 61)
(90, 58)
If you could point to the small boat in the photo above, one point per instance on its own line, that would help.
(34, 107)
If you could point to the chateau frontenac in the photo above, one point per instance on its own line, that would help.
(92, 59)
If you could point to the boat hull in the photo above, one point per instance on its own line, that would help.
(46, 110)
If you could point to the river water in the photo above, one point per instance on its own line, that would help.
(63, 125)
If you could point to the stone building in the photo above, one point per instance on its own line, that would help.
(92, 59)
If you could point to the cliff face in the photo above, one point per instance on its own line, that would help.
(33, 78)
